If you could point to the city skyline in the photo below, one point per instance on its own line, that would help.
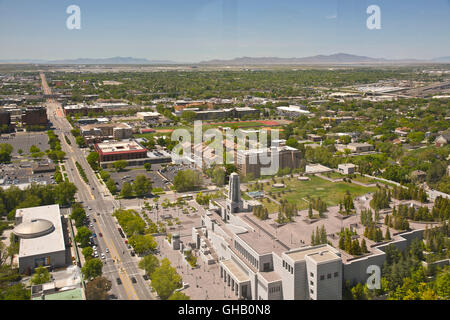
(203, 30)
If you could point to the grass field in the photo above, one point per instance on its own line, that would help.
(296, 191)
(334, 175)
(164, 131)
(364, 179)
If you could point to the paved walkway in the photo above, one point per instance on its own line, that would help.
(204, 282)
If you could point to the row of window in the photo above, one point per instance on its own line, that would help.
(275, 289)
(246, 255)
(288, 267)
(322, 277)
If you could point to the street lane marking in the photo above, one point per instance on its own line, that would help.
(116, 254)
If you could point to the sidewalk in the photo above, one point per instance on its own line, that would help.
(204, 282)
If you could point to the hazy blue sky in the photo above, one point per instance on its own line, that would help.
(194, 30)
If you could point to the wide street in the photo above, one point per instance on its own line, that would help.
(118, 263)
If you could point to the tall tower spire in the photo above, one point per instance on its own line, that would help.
(234, 194)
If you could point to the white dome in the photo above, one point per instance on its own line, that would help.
(34, 228)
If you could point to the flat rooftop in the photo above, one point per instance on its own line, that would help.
(319, 254)
(119, 146)
(106, 125)
(51, 242)
(263, 239)
(237, 272)
(73, 294)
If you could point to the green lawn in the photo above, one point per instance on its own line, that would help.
(330, 192)
(364, 179)
(334, 175)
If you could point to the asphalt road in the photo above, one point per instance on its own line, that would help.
(118, 263)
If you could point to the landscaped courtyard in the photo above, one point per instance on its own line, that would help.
(296, 191)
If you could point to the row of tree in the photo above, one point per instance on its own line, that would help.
(353, 247)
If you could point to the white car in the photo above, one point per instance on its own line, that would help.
(107, 250)
(103, 256)
(96, 254)
(95, 248)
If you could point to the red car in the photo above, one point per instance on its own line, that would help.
(100, 234)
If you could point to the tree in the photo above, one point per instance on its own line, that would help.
(41, 275)
(92, 268)
(148, 166)
(142, 185)
(87, 253)
(165, 279)
(80, 141)
(323, 234)
(17, 291)
(120, 165)
(387, 235)
(92, 159)
(187, 180)
(189, 116)
(5, 152)
(65, 193)
(127, 190)
(78, 214)
(34, 149)
(143, 243)
(218, 176)
(310, 211)
(149, 263)
(111, 185)
(98, 289)
(443, 284)
(179, 296)
(82, 236)
(364, 246)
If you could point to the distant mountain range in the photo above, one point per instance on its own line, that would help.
(114, 60)
(337, 58)
(325, 59)
(442, 59)
(333, 59)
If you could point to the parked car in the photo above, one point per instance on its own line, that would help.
(118, 281)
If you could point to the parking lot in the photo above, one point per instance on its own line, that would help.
(22, 174)
(24, 140)
(130, 174)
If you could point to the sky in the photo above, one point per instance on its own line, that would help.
(198, 30)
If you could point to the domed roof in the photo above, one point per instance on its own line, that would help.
(34, 228)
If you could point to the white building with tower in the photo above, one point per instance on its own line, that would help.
(259, 266)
